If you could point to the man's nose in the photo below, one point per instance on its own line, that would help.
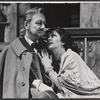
(43, 26)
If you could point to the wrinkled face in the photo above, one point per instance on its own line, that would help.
(36, 27)
(54, 40)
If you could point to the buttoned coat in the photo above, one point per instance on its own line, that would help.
(15, 64)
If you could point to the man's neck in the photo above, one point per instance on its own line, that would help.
(28, 40)
(31, 36)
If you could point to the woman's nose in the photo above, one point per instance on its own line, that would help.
(49, 37)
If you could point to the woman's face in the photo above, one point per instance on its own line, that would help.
(54, 40)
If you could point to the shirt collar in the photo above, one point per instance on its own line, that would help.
(28, 40)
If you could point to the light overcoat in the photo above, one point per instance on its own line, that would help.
(15, 64)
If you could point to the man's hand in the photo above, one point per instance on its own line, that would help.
(41, 86)
(44, 87)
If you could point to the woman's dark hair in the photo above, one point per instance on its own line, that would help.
(65, 36)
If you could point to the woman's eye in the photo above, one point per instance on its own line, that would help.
(53, 35)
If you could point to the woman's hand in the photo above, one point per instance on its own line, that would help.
(46, 60)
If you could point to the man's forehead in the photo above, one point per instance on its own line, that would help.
(38, 15)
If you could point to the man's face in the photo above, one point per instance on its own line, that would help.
(36, 27)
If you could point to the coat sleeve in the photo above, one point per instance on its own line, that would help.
(2, 63)
(69, 71)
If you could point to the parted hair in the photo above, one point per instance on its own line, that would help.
(31, 12)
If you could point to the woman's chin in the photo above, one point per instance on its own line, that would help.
(50, 47)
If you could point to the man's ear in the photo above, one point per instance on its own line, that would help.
(26, 25)
(63, 43)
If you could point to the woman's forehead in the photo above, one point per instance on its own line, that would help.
(52, 32)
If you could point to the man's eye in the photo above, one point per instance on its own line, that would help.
(39, 23)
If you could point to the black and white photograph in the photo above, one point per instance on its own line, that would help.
(49, 50)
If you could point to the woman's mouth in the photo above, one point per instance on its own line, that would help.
(49, 43)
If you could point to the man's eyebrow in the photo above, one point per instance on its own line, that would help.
(41, 20)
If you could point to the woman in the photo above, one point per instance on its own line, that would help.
(74, 78)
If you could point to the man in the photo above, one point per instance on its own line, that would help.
(20, 72)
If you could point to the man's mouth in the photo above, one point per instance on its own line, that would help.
(41, 32)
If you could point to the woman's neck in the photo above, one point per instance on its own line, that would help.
(58, 52)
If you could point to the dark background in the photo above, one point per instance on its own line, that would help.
(64, 15)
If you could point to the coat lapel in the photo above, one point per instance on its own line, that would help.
(36, 66)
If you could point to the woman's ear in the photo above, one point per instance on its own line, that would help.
(26, 25)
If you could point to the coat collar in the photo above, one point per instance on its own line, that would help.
(18, 47)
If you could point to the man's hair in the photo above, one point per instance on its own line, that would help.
(31, 12)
